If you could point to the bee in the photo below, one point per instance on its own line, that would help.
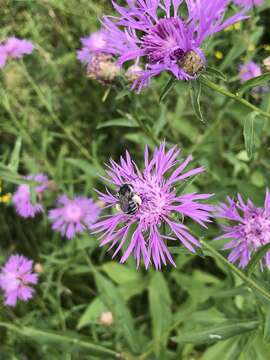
(191, 63)
(129, 201)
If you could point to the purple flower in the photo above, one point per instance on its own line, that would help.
(73, 216)
(154, 31)
(92, 44)
(159, 207)
(15, 278)
(248, 3)
(250, 229)
(22, 197)
(14, 48)
(249, 71)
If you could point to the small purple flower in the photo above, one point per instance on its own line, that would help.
(160, 208)
(92, 44)
(73, 216)
(249, 71)
(154, 30)
(15, 278)
(14, 48)
(22, 197)
(250, 229)
(248, 3)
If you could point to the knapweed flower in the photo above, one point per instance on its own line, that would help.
(100, 66)
(92, 44)
(22, 197)
(154, 30)
(14, 48)
(16, 278)
(250, 229)
(248, 3)
(249, 71)
(159, 207)
(73, 216)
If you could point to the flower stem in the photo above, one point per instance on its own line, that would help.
(205, 81)
(249, 282)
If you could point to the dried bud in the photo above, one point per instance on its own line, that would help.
(38, 268)
(132, 73)
(103, 68)
(100, 204)
(191, 63)
(52, 186)
(266, 64)
(106, 318)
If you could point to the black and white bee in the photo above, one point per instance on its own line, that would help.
(129, 201)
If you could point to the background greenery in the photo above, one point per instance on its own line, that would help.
(55, 120)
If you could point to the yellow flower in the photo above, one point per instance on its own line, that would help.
(6, 198)
(251, 47)
(219, 55)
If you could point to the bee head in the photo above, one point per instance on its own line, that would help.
(125, 189)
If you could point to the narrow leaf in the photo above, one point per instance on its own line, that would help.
(160, 309)
(92, 313)
(248, 133)
(216, 333)
(112, 298)
(61, 339)
(256, 258)
(168, 87)
(15, 156)
(256, 81)
(196, 89)
(216, 73)
(121, 122)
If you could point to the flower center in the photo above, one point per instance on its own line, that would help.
(165, 41)
(73, 212)
(257, 230)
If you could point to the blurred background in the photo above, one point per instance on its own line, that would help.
(55, 120)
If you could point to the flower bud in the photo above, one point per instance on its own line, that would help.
(132, 73)
(102, 68)
(38, 268)
(106, 318)
(266, 64)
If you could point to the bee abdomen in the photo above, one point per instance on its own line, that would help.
(132, 208)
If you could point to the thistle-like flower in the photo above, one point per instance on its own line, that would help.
(73, 216)
(14, 48)
(249, 70)
(158, 32)
(248, 3)
(152, 206)
(16, 278)
(22, 197)
(92, 44)
(250, 229)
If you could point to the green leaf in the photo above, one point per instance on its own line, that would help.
(160, 309)
(73, 341)
(120, 273)
(83, 165)
(168, 87)
(266, 329)
(256, 258)
(248, 133)
(256, 81)
(216, 333)
(92, 313)
(196, 90)
(15, 156)
(112, 298)
(210, 71)
(120, 122)
(226, 350)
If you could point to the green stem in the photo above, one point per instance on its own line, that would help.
(205, 81)
(249, 282)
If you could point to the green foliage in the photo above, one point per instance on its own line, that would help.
(55, 120)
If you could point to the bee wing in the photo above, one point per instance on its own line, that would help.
(124, 203)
